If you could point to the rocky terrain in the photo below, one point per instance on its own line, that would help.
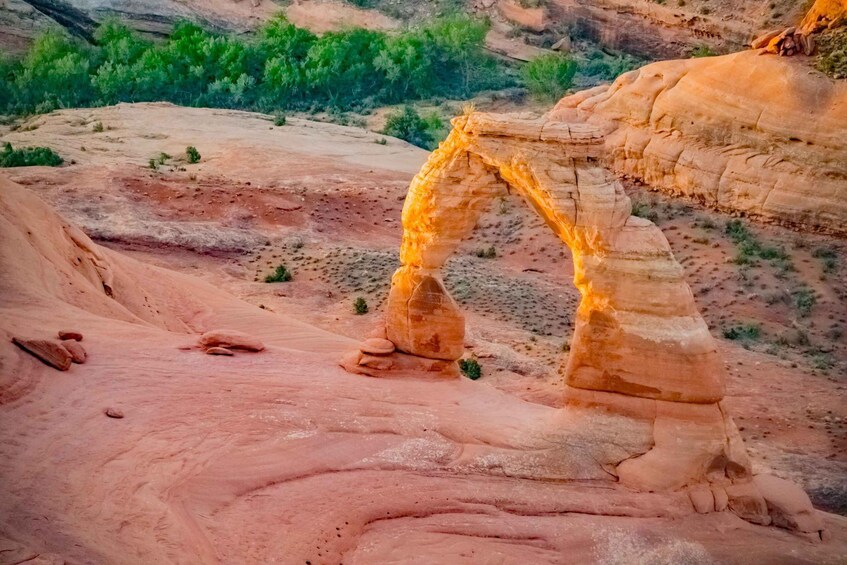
(750, 132)
(325, 201)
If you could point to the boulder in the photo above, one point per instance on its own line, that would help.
(377, 346)
(49, 352)
(70, 334)
(230, 339)
(702, 499)
(788, 505)
(747, 503)
(76, 350)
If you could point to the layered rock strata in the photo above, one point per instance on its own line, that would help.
(758, 135)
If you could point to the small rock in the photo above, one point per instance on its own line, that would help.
(70, 334)
(702, 499)
(76, 350)
(48, 352)
(113, 413)
(788, 505)
(219, 351)
(377, 346)
(230, 339)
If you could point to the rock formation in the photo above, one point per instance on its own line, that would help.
(640, 348)
(823, 14)
(759, 135)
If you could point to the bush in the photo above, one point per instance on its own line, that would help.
(408, 125)
(832, 53)
(360, 306)
(804, 301)
(489, 253)
(192, 154)
(743, 332)
(702, 51)
(279, 119)
(549, 76)
(281, 274)
(29, 156)
(470, 368)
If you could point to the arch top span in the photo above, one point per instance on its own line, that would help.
(637, 332)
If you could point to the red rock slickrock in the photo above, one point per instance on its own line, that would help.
(219, 351)
(640, 348)
(49, 352)
(230, 339)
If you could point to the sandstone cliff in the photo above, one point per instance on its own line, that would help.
(762, 135)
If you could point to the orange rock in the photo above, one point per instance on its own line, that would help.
(377, 346)
(758, 135)
(49, 352)
(230, 339)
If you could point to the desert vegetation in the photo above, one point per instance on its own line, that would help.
(28, 156)
(832, 53)
(280, 66)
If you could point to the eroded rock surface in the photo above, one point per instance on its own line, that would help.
(757, 134)
(640, 349)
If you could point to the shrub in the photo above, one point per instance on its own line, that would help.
(360, 306)
(281, 274)
(29, 156)
(279, 119)
(643, 209)
(702, 51)
(832, 53)
(549, 76)
(742, 332)
(804, 301)
(408, 125)
(489, 253)
(470, 368)
(192, 154)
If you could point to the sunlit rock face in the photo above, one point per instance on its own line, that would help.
(750, 132)
(825, 13)
(640, 348)
(635, 304)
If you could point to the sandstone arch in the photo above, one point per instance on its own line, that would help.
(644, 377)
(635, 304)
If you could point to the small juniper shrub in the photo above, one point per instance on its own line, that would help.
(192, 154)
(281, 274)
(360, 306)
(470, 368)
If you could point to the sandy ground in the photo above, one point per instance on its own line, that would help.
(324, 200)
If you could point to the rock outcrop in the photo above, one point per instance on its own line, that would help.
(824, 14)
(640, 349)
(755, 134)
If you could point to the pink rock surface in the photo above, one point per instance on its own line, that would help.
(286, 455)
